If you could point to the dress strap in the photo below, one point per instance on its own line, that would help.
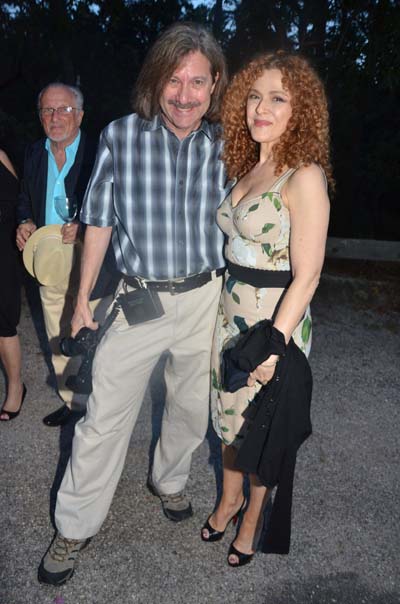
(277, 187)
(278, 184)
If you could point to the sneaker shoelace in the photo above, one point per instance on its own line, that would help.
(175, 497)
(62, 548)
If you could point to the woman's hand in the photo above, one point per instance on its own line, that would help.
(264, 372)
(24, 231)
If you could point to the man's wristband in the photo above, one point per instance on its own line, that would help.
(26, 220)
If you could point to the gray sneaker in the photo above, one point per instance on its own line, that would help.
(58, 564)
(176, 506)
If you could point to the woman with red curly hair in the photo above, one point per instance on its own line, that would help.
(275, 122)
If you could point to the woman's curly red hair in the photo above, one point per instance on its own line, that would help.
(306, 138)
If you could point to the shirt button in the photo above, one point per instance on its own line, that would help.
(181, 183)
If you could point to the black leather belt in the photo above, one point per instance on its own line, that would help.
(174, 286)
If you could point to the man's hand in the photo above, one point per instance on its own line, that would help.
(82, 317)
(70, 232)
(24, 231)
(94, 249)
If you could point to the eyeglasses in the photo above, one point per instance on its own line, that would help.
(49, 111)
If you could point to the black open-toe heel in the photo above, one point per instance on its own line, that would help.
(14, 414)
(213, 534)
(242, 558)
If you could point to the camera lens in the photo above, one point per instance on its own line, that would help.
(69, 347)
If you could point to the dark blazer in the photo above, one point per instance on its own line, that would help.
(32, 199)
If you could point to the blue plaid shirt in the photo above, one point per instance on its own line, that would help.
(161, 195)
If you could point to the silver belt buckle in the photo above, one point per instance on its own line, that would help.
(141, 283)
(172, 284)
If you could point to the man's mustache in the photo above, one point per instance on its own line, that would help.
(184, 105)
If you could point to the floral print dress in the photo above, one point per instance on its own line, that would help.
(258, 233)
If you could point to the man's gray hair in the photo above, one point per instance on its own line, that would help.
(74, 90)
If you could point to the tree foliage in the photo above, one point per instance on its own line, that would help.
(355, 46)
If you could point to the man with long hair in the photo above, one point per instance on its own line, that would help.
(155, 188)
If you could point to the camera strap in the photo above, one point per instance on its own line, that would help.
(109, 320)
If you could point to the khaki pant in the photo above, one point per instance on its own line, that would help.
(58, 307)
(123, 364)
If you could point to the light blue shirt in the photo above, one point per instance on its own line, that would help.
(55, 178)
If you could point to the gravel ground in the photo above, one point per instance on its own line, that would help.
(345, 535)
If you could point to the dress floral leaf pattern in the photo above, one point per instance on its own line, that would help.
(267, 227)
(266, 248)
(240, 324)
(306, 330)
(230, 282)
(258, 232)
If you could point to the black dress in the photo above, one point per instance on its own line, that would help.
(10, 296)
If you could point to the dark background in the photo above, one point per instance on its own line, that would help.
(100, 46)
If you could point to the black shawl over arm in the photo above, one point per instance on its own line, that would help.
(276, 423)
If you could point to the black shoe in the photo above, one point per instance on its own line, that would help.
(212, 534)
(176, 506)
(14, 414)
(241, 557)
(59, 417)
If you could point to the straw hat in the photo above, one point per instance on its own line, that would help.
(46, 257)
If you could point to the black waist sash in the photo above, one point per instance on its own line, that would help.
(259, 278)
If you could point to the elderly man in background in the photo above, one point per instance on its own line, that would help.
(58, 165)
(155, 188)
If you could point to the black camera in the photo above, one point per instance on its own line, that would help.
(84, 343)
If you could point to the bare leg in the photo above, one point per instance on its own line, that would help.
(232, 494)
(10, 355)
(246, 540)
